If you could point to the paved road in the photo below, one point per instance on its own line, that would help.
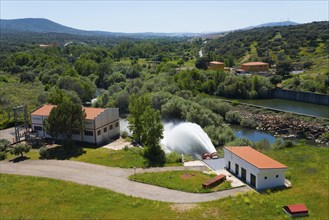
(115, 179)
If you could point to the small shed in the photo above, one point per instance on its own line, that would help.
(215, 65)
(296, 210)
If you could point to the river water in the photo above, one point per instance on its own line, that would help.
(293, 106)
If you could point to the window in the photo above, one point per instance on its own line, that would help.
(105, 129)
(37, 128)
(277, 176)
(111, 127)
(117, 124)
(75, 132)
(99, 132)
(89, 133)
(265, 177)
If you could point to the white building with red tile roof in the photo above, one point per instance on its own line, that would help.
(101, 124)
(255, 168)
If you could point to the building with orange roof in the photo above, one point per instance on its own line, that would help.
(255, 67)
(215, 65)
(101, 124)
(254, 168)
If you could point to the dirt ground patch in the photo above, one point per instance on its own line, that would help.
(118, 144)
(186, 176)
(180, 208)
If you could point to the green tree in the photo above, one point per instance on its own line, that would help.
(284, 68)
(137, 107)
(145, 123)
(19, 149)
(201, 63)
(65, 118)
(153, 127)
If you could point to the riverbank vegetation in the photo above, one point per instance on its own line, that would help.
(79, 201)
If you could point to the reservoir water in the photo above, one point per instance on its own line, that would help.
(253, 134)
(293, 106)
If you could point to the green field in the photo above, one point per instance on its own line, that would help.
(131, 157)
(41, 198)
(186, 180)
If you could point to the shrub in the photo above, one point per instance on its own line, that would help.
(325, 136)
(235, 102)
(155, 156)
(233, 117)
(248, 123)
(124, 134)
(288, 144)
(3, 155)
(263, 145)
(173, 157)
(44, 153)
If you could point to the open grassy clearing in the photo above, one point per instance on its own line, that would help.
(308, 172)
(187, 180)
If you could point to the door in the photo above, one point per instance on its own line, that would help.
(237, 169)
(229, 165)
(243, 174)
(253, 180)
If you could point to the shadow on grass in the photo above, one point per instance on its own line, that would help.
(65, 153)
(19, 159)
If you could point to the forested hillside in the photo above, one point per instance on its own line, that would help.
(163, 68)
(304, 47)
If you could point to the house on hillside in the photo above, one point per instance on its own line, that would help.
(215, 65)
(255, 67)
(254, 168)
(101, 124)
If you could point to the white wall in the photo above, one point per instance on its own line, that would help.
(272, 180)
(261, 182)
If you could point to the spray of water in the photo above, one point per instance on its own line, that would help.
(186, 138)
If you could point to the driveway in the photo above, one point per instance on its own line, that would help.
(115, 179)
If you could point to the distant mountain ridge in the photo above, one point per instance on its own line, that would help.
(42, 25)
(272, 24)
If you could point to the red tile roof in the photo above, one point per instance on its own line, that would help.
(44, 110)
(296, 208)
(255, 157)
(91, 113)
(254, 64)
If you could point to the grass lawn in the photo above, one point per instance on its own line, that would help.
(113, 158)
(40, 198)
(185, 180)
(102, 156)
(25, 197)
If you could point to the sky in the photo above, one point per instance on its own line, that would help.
(166, 15)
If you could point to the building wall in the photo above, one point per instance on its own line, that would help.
(261, 182)
(271, 179)
(255, 68)
(216, 66)
(104, 127)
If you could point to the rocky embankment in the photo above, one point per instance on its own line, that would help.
(283, 125)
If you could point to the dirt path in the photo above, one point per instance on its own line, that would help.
(115, 179)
